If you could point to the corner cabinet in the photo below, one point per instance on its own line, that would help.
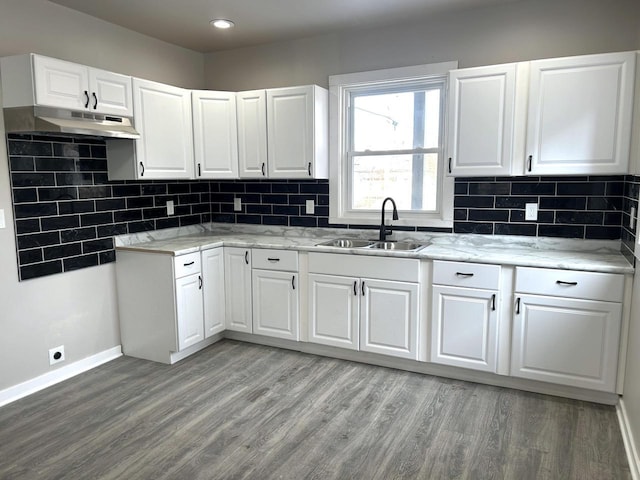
(169, 307)
(580, 111)
(215, 137)
(566, 327)
(481, 120)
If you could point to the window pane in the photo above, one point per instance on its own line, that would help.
(396, 121)
(411, 180)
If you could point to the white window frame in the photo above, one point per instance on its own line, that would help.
(339, 90)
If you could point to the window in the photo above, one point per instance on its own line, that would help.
(387, 130)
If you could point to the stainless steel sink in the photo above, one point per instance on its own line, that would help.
(346, 243)
(399, 246)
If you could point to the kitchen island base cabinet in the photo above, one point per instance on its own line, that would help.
(237, 273)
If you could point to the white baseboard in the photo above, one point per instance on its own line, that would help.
(21, 390)
(629, 443)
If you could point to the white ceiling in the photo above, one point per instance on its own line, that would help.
(186, 22)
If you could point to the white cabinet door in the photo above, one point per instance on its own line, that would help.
(213, 291)
(580, 114)
(111, 93)
(215, 134)
(464, 328)
(566, 341)
(189, 310)
(290, 132)
(61, 84)
(334, 310)
(237, 271)
(389, 318)
(481, 120)
(163, 118)
(251, 108)
(275, 304)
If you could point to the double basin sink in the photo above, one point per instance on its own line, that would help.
(371, 244)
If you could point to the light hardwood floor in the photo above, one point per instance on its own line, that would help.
(242, 411)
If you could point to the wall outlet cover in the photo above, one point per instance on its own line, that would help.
(170, 208)
(310, 207)
(237, 204)
(531, 211)
(56, 355)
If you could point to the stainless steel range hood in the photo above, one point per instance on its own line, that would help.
(55, 120)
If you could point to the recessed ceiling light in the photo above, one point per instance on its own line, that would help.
(222, 23)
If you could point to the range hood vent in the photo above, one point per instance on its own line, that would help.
(55, 120)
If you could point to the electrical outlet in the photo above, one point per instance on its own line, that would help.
(310, 207)
(170, 208)
(56, 355)
(531, 211)
(237, 204)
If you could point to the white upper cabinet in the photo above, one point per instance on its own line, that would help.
(215, 135)
(49, 82)
(297, 135)
(579, 115)
(163, 118)
(481, 120)
(251, 107)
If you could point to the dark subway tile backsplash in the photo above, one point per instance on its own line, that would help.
(67, 211)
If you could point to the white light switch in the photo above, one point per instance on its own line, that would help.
(531, 211)
(310, 207)
(237, 204)
(2, 223)
(170, 208)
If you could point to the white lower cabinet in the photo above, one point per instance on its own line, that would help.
(464, 328)
(334, 311)
(189, 310)
(213, 291)
(562, 339)
(464, 315)
(237, 273)
(389, 318)
(275, 304)
(364, 313)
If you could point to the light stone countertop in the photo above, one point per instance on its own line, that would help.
(546, 252)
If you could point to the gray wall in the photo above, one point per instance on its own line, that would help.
(509, 32)
(77, 309)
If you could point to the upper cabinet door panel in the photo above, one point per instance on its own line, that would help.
(163, 118)
(110, 93)
(60, 84)
(251, 108)
(580, 112)
(215, 134)
(481, 120)
(290, 132)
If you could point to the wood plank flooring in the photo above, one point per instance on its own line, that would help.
(242, 411)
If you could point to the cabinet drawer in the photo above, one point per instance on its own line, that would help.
(569, 283)
(271, 259)
(461, 274)
(187, 264)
